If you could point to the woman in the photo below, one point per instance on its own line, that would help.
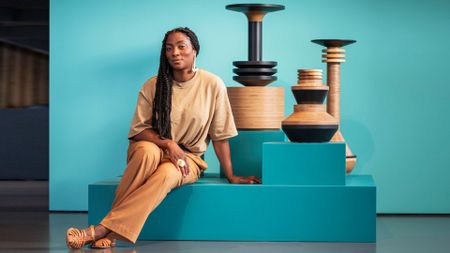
(177, 114)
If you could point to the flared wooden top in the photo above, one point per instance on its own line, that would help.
(255, 12)
(333, 42)
(255, 7)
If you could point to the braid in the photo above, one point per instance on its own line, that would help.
(162, 102)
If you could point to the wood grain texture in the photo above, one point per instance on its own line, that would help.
(257, 107)
(333, 81)
(309, 114)
(334, 50)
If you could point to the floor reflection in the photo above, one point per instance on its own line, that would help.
(45, 232)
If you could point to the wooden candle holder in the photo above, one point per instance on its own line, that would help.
(334, 55)
(256, 107)
(255, 71)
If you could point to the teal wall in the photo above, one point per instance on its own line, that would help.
(395, 89)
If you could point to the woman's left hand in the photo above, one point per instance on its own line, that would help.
(244, 180)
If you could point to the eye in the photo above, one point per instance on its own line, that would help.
(168, 49)
(181, 46)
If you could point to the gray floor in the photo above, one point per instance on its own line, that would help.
(25, 226)
(44, 232)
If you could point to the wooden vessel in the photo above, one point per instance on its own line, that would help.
(310, 121)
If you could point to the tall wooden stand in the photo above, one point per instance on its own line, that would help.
(256, 107)
(334, 55)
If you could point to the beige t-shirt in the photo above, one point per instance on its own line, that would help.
(200, 112)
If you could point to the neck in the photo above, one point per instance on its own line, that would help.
(183, 75)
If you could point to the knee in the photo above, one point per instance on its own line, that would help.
(146, 150)
(169, 175)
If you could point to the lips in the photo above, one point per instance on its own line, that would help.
(177, 61)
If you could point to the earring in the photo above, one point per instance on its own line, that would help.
(194, 67)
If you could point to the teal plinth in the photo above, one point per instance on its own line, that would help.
(212, 209)
(246, 150)
(290, 163)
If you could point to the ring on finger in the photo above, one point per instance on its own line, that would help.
(181, 163)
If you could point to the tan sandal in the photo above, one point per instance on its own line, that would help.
(104, 243)
(77, 238)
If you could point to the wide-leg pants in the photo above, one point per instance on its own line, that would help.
(148, 178)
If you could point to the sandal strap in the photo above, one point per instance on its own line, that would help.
(92, 232)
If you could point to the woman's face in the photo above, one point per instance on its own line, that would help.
(179, 51)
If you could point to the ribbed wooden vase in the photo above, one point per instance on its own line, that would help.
(257, 108)
(310, 121)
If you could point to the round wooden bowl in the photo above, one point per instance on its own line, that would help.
(257, 107)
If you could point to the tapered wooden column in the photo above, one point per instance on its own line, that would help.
(334, 55)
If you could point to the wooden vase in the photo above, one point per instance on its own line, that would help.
(310, 121)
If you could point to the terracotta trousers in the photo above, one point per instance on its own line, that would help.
(148, 178)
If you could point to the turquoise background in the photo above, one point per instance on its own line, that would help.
(394, 96)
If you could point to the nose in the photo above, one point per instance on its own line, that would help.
(175, 51)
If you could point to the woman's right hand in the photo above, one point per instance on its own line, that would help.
(176, 155)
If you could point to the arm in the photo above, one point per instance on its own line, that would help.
(169, 146)
(151, 136)
(222, 149)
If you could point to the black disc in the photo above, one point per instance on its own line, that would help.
(333, 42)
(254, 80)
(255, 64)
(255, 7)
(254, 71)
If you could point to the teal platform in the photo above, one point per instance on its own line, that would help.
(289, 163)
(212, 209)
(246, 150)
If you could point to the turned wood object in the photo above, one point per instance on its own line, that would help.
(257, 107)
(310, 121)
(333, 56)
(255, 71)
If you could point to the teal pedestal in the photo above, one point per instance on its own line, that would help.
(212, 209)
(290, 163)
(246, 150)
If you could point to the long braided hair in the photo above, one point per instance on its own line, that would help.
(162, 103)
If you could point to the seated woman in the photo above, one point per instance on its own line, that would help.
(178, 112)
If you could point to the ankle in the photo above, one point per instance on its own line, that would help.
(101, 231)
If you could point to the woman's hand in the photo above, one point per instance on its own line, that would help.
(244, 180)
(177, 157)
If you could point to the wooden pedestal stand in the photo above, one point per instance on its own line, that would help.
(334, 56)
(256, 107)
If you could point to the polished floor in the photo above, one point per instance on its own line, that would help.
(26, 226)
(44, 232)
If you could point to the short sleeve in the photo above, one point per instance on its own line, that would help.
(222, 125)
(142, 118)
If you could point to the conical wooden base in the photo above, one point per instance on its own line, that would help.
(310, 123)
(350, 158)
